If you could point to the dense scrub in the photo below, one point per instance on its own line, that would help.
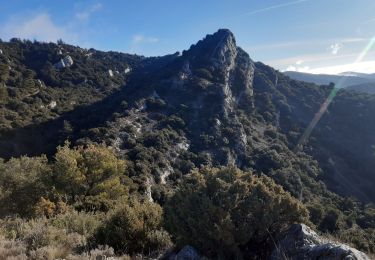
(83, 199)
(32, 90)
(230, 214)
(80, 200)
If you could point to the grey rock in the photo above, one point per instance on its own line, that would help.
(52, 104)
(67, 61)
(301, 242)
(186, 253)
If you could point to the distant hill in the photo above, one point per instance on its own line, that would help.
(365, 88)
(347, 78)
(358, 74)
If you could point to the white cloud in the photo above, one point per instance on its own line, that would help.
(299, 62)
(362, 67)
(335, 48)
(291, 68)
(85, 14)
(298, 68)
(140, 39)
(39, 27)
(269, 8)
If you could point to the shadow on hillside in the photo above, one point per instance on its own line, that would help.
(43, 138)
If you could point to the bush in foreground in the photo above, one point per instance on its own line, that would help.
(135, 228)
(227, 213)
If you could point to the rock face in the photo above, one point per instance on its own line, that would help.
(224, 74)
(219, 54)
(301, 242)
(67, 61)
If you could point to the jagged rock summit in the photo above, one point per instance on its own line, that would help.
(225, 74)
(219, 47)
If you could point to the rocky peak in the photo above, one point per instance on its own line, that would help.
(219, 48)
(225, 51)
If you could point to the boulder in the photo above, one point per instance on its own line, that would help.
(67, 61)
(301, 242)
(186, 253)
(52, 104)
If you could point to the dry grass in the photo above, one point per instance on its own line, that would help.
(63, 237)
(12, 249)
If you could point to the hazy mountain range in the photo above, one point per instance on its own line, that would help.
(352, 80)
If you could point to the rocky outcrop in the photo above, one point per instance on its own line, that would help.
(52, 104)
(67, 61)
(301, 242)
(127, 70)
(220, 55)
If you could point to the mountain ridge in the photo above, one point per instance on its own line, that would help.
(210, 106)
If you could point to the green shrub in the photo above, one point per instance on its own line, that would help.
(22, 183)
(91, 177)
(134, 228)
(228, 213)
(83, 223)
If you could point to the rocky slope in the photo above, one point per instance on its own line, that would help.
(210, 105)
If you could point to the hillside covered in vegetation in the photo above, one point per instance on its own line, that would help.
(127, 155)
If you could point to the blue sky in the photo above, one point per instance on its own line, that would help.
(318, 36)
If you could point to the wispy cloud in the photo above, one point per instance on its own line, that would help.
(85, 14)
(269, 8)
(312, 58)
(139, 42)
(335, 48)
(298, 67)
(305, 43)
(140, 39)
(40, 27)
(369, 21)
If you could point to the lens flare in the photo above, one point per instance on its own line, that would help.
(323, 108)
(365, 50)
